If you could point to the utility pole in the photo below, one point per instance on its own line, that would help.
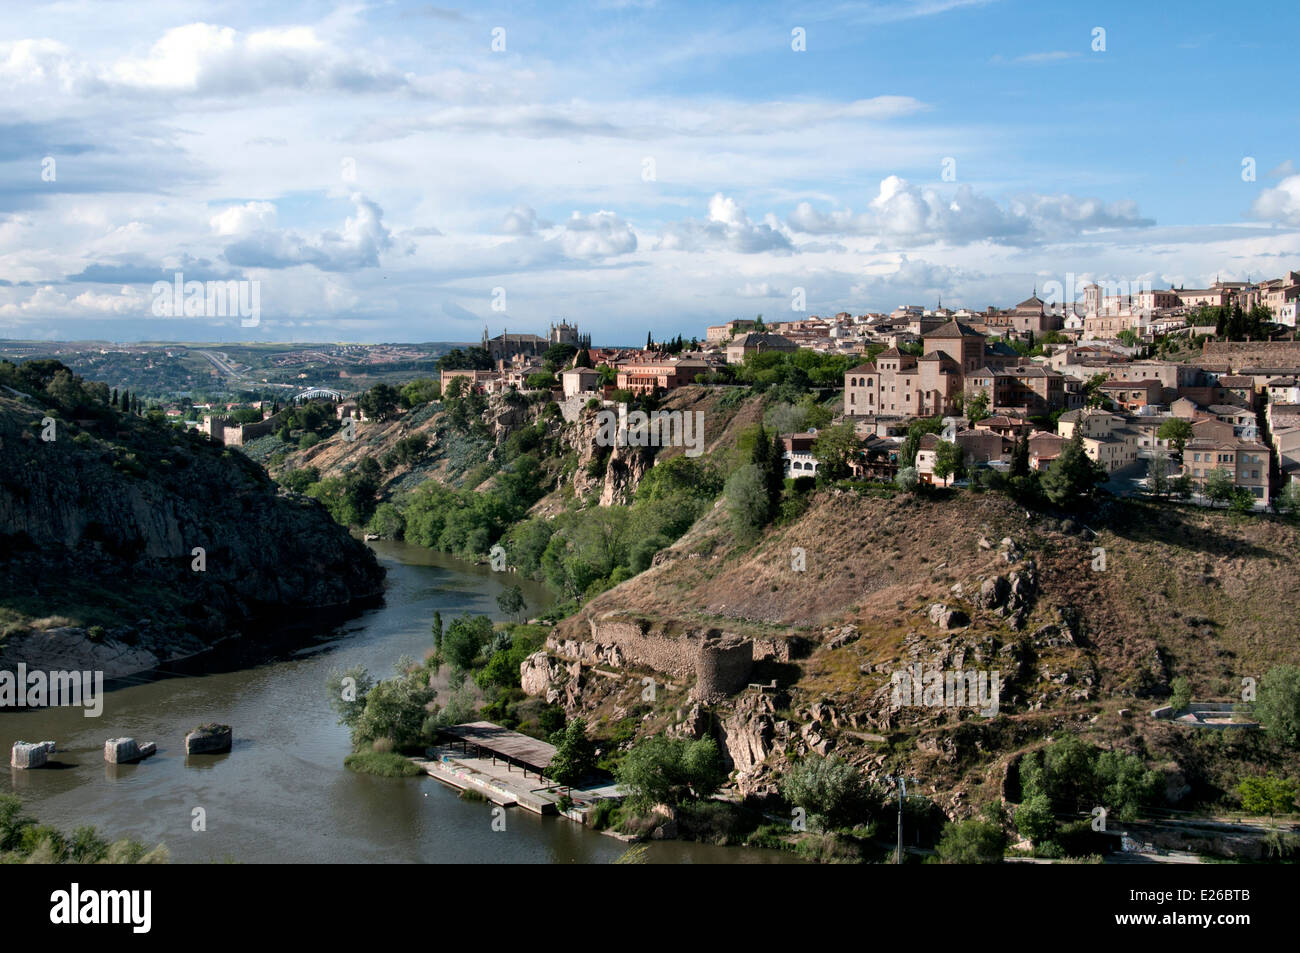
(902, 793)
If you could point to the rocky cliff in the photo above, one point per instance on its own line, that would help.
(859, 598)
(125, 544)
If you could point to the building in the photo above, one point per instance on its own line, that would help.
(757, 342)
(720, 333)
(1029, 390)
(1246, 461)
(579, 380)
(646, 375)
(798, 457)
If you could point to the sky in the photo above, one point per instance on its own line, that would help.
(406, 172)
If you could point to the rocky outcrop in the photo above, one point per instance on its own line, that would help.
(209, 739)
(30, 754)
(120, 505)
(948, 618)
(748, 733)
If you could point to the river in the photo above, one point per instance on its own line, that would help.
(282, 794)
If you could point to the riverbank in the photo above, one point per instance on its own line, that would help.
(282, 795)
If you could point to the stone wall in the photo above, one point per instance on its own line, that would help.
(1239, 354)
(719, 663)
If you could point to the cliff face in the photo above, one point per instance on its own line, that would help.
(888, 592)
(128, 543)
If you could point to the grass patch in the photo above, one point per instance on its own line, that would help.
(384, 764)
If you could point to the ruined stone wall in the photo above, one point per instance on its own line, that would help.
(720, 664)
(1239, 354)
(722, 668)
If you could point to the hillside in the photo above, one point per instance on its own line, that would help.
(100, 525)
(1184, 592)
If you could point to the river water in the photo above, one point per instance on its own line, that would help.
(282, 794)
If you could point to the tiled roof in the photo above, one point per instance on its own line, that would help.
(954, 329)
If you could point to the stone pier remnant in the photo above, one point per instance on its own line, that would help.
(209, 739)
(31, 754)
(126, 751)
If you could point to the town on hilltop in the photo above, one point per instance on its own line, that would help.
(1194, 390)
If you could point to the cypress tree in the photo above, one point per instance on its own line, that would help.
(1020, 457)
(437, 630)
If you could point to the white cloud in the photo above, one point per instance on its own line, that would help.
(363, 237)
(1281, 204)
(598, 235)
(915, 214)
(242, 219)
(200, 59)
(523, 220)
(728, 227)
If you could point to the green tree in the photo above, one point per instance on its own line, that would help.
(1020, 457)
(833, 792)
(1158, 475)
(1126, 785)
(977, 407)
(347, 693)
(747, 500)
(437, 630)
(1034, 819)
(835, 449)
(1093, 395)
(915, 431)
(379, 402)
(1072, 476)
(1219, 485)
(949, 461)
(1267, 795)
(1277, 703)
(1180, 693)
(511, 601)
(972, 841)
(1287, 502)
(664, 770)
(575, 754)
(1177, 431)
(396, 710)
(465, 639)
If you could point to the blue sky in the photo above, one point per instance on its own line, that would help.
(384, 174)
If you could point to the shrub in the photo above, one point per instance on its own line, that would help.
(972, 842)
(832, 791)
(663, 770)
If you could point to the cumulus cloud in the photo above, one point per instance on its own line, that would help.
(363, 237)
(598, 235)
(727, 227)
(523, 220)
(1281, 204)
(902, 211)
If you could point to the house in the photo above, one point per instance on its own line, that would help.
(1282, 390)
(757, 342)
(798, 456)
(1130, 395)
(1246, 460)
(1027, 389)
(1044, 447)
(1105, 437)
(718, 333)
(645, 376)
(579, 380)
